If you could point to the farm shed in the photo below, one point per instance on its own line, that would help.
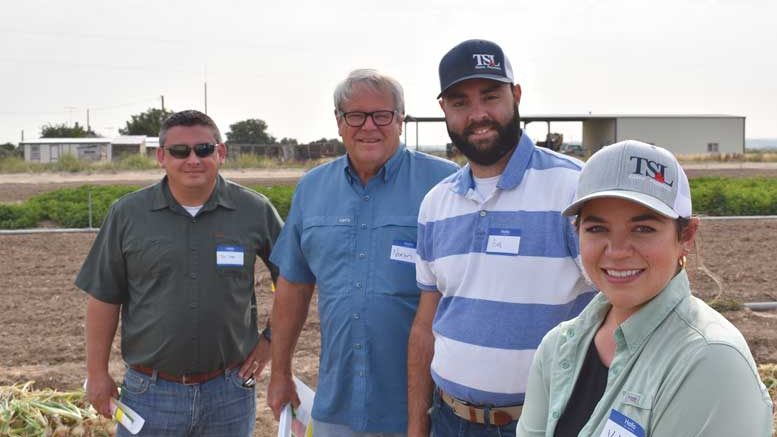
(682, 134)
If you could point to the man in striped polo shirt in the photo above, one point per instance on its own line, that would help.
(497, 261)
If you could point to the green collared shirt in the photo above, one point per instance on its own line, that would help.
(680, 369)
(185, 284)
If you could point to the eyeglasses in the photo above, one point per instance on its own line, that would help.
(358, 118)
(182, 151)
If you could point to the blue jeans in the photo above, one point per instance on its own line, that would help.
(221, 407)
(445, 423)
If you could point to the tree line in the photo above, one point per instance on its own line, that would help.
(148, 123)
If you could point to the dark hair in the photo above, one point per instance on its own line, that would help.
(190, 117)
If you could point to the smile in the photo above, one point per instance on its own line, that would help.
(622, 274)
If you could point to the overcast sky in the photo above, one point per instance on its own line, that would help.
(281, 61)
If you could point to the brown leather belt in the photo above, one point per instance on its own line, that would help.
(197, 378)
(498, 416)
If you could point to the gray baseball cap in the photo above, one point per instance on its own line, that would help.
(636, 171)
(472, 59)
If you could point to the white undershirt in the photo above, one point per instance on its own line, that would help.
(485, 187)
(193, 210)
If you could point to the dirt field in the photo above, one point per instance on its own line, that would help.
(42, 313)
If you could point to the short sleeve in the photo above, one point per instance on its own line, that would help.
(104, 274)
(287, 253)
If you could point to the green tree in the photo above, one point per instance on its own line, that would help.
(146, 123)
(286, 140)
(64, 131)
(251, 131)
(7, 149)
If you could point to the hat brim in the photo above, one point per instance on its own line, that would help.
(645, 200)
(476, 76)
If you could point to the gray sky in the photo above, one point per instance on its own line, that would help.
(281, 62)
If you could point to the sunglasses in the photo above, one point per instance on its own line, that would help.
(182, 151)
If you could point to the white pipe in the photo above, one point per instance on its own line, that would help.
(761, 306)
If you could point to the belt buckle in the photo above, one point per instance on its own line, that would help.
(184, 382)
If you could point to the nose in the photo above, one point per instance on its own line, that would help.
(478, 112)
(619, 246)
(369, 123)
(193, 159)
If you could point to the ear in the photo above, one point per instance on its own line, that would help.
(160, 156)
(689, 235)
(401, 121)
(517, 93)
(221, 150)
(341, 126)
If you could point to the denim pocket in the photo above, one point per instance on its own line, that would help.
(233, 376)
(134, 383)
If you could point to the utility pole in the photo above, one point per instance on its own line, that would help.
(206, 97)
(163, 103)
(22, 134)
(88, 125)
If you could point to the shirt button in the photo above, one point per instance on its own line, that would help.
(565, 365)
(357, 346)
(364, 226)
(356, 316)
(571, 333)
(193, 275)
(366, 198)
(193, 305)
(482, 213)
(361, 372)
(362, 255)
(555, 414)
(358, 284)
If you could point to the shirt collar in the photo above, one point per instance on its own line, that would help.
(637, 328)
(512, 174)
(385, 173)
(162, 197)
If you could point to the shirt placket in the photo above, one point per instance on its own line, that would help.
(361, 260)
(193, 296)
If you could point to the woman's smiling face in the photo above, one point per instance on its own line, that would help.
(629, 251)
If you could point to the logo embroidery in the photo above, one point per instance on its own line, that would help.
(651, 169)
(486, 61)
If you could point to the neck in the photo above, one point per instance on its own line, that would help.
(495, 169)
(191, 197)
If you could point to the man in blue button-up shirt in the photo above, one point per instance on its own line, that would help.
(352, 231)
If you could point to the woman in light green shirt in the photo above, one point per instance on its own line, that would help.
(644, 358)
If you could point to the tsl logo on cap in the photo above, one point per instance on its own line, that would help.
(651, 169)
(483, 61)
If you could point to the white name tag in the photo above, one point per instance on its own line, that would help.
(403, 251)
(503, 241)
(229, 256)
(618, 425)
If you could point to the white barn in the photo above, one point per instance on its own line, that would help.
(45, 150)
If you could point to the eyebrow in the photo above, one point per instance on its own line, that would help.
(636, 218)
(459, 95)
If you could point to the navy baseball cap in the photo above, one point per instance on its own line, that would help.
(474, 59)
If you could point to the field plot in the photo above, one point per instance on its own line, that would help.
(42, 313)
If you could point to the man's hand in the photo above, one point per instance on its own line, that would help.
(280, 392)
(99, 391)
(256, 360)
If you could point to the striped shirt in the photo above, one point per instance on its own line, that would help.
(508, 269)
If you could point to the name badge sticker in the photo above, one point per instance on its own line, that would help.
(403, 251)
(229, 256)
(619, 425)
(503, 241)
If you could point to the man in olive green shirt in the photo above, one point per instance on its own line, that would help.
(177, 261)
(680, 369)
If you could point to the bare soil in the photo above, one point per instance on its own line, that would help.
(42, 312)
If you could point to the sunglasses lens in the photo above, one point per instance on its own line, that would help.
(203, 150)
(180, 151)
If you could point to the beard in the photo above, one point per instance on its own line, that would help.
(506, 140)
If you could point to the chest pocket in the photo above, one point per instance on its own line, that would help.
(149, 257)
(328, 243)
(394, 276)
